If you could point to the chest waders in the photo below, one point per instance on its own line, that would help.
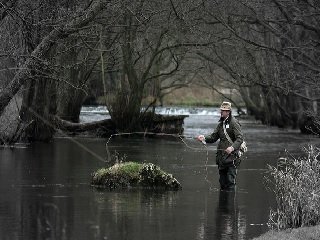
(228, 174)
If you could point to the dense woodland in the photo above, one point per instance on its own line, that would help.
(56, 54)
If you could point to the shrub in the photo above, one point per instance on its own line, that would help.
(296, 184)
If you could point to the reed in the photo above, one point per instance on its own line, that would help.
(296, 184)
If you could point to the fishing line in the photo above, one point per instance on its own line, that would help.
(181, 137)
(206, 169)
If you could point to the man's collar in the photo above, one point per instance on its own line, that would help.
(227, 120)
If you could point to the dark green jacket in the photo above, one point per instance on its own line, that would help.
(234, 131)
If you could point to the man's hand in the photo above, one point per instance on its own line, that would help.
(229, 150)
(201, 138)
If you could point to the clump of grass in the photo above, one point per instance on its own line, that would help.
(120, 175)
(130, 169)
(132, 174)
(296, 184)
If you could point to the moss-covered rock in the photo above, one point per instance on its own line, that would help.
(131, 174)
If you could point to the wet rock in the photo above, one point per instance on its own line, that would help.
(130, 174)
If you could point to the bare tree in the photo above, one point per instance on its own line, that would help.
(148, 54)
(268, 50)
(62, 46)
(41, 26)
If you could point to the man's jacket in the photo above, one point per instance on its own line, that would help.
(234, 131)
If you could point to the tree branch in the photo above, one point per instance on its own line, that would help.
(43, 48)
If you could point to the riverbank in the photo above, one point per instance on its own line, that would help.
(304, 233)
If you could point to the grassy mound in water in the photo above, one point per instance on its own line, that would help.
(131, 174)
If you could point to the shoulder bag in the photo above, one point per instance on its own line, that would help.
(243, 147)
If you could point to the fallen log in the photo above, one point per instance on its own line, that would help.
(102, 128)
(81, 127)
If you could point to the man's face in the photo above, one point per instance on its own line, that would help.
(224, 114)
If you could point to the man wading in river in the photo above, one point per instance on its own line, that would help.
(227, 157)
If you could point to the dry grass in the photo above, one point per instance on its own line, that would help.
(296, 184)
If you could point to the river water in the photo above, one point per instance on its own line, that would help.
(45, 190)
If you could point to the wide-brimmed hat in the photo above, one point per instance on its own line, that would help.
(226, 106)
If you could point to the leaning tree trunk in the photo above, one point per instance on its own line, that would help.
(40, 52)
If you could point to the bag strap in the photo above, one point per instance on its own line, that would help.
(225, 132)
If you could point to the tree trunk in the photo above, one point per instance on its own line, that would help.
(38, 103)
(252, 99)
(70, 108)
(72, 93)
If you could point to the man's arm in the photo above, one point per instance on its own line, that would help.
(213, 137)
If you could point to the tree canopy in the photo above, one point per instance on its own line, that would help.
(54, 54)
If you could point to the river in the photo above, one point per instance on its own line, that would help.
(46, 193)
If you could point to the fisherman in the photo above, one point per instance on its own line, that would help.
(227, 157)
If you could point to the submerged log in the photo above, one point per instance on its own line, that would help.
(131, 174)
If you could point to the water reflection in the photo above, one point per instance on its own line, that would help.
(226, 222)
(41, 218)
(230, 222)
(134, 214)
(50, 223)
